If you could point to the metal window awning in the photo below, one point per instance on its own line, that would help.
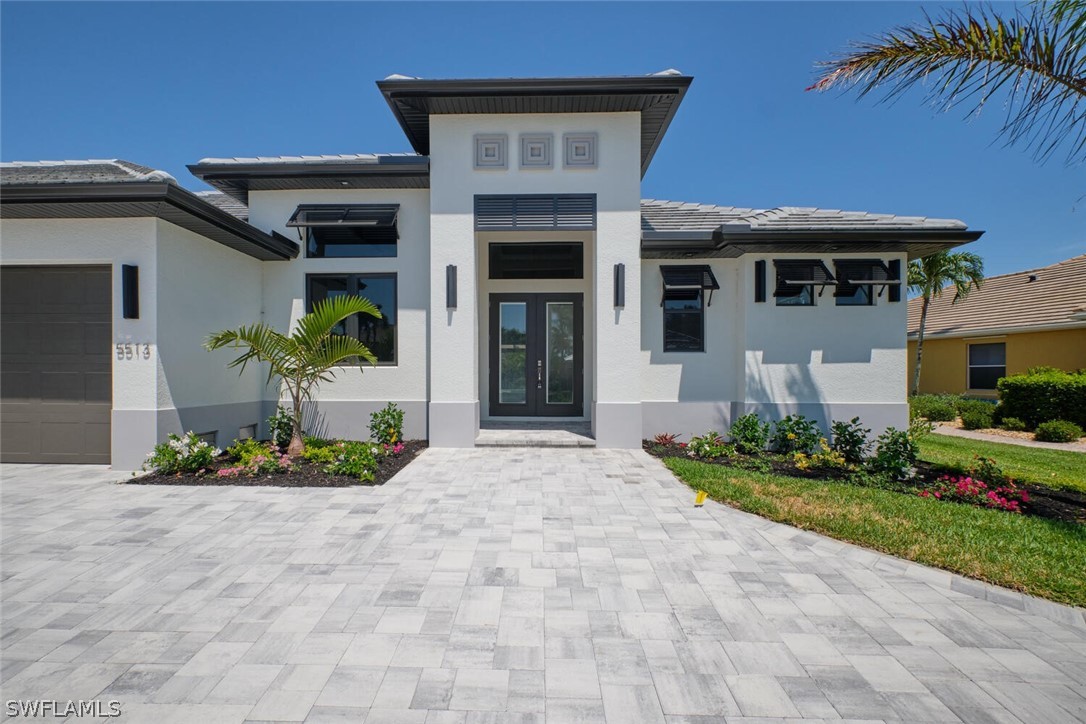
(691, 278)
(373, 215)
(793, 273)
(854, 273)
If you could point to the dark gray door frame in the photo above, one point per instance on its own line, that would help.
(535, 372)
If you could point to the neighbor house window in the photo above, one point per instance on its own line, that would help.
(377, 334)
(987, 363)
(348, 230)
(684, 302)
(797, 280)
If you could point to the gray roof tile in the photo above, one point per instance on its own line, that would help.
(229, 205)
(89, 171)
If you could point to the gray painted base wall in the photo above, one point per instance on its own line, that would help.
(696, 418)
(350, 419)
(454, 424)
(617, 425)
(136, 432)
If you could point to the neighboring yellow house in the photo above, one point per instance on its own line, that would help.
(1013, 322)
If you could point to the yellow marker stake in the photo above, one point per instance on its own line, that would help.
(699, 499)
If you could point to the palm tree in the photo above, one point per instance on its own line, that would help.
(305, 357)
(1037, 56)
(930, 277)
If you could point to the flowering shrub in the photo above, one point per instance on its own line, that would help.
(281, 426)
(708, 446)
(895, 454)
(386, 426)
(749, 434)
(795, 433)
(967, 489)
(356, 459)
(181, 454)
(850, 439)
(826, 457)
(255, 458)
(394, 450)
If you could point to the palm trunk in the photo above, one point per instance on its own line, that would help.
(920, 344)
(297, 444)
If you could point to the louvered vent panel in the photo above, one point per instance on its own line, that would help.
(536, 212)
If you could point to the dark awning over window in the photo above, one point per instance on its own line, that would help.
(793, 274)
(852, 273)
(373, 215)
(693, 279)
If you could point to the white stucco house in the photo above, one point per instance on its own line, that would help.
(520, 273)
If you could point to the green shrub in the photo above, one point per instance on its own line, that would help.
(708, 446)
(977, 419)
(255, 458)
(355, 459)
(319, 451)
(795, 433)
(850, 439)
(985, 407)
(181, 454)
(1058, 431)
(895, 454)
(386, 425)
(1045, 395)
(937, 408)
(750, 434)
(1013, 424)
(281, 426)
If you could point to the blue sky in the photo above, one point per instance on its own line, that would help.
(166, 84)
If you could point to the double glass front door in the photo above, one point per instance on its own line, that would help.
(536, 343)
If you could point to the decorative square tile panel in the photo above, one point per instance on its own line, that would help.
(536, 150)
(491, 151)
(580, 150)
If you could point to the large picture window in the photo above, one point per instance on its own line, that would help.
(987, 363)
(377, 334)
(549, 260)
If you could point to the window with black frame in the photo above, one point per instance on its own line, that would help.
(987, 364)
(379, 335)
(797, 280)
(684, 320)
(348, 230)
(850, 291)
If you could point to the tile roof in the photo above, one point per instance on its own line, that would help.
(680, 216)
(90, 171)
(317, 160)
(1051, 295)
(226, 203)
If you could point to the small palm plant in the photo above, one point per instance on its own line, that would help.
(304, 358)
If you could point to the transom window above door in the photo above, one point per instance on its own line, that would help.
(348, 230)
(545, 260)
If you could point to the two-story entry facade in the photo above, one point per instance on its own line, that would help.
(519, 272)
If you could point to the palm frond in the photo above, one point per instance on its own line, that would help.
(338, 350)
(326, 314)
(1036, 57)
(260, 343)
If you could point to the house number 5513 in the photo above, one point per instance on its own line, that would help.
(130, 351)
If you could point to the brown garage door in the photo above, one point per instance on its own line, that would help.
(55, 364)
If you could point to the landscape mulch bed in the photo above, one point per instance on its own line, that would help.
(1063, 505)
(302, 474)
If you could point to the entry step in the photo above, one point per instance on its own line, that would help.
(535, 434)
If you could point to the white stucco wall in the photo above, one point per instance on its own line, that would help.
(284, 302)
(204, 287)
(616, 182)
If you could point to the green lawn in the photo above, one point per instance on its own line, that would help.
(1054, 468)
(1034, 555)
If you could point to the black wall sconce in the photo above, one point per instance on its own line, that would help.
(450, 286)
(620, 285)
(130, 291)
(759, 280)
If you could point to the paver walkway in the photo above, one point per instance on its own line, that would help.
(493, 586)
(1006, 439)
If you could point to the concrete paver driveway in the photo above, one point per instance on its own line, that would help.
(493, 586)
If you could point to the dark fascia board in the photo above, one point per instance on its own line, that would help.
(234, 179)
(398, 91)
(251, 241)
(733, 244)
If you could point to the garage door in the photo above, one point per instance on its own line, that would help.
(55, 364)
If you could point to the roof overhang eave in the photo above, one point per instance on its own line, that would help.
(840, 241)
(260, 244)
